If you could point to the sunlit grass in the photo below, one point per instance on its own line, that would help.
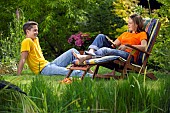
(133, 94)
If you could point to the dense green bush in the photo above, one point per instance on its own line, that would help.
(7, 8)
(160, 55)
(59, 19)
(10, 45)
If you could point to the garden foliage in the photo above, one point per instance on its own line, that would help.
(160, 56)
(59, 19)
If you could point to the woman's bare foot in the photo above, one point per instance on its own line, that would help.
(91, 50)
(81, 58)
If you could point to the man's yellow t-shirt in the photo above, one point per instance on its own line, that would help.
(35, 59)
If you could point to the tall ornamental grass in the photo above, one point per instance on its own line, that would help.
(130, 95)
(15, 102)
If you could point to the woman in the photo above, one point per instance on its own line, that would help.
(136, 37)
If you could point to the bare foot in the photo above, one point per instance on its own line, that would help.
(90, 71)
(81, 58)
(91, 50)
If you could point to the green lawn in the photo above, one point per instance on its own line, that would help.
(47, 95)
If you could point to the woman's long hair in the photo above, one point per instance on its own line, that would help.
(137, 19)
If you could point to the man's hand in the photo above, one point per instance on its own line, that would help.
(23, 58)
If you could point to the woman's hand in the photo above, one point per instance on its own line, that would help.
(122, 47)
(113, 46)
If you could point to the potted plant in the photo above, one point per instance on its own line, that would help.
(80, 41)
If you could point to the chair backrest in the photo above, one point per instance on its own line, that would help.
(151, 27)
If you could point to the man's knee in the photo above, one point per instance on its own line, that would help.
(73, 49)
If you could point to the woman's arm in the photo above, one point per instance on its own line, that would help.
(116, 43)
(141, 47)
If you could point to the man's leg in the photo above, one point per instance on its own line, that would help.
(81, 58)
(66, 58)
(58, 66)
(52, 69)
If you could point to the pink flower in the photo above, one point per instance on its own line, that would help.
(70, 40)
(79, 39)
(79, 42)
(76, 37)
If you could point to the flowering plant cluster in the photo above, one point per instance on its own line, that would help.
(80, 40)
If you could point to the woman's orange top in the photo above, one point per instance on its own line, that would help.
(132, 39)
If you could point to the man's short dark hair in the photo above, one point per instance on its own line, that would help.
(28, 25)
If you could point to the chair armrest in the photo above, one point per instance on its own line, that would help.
(137, 49)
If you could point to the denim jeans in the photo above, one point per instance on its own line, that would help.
(58, 66)
(105, 51)
(99, 42)
(103, 48)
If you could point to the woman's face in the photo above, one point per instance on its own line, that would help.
(132, 26)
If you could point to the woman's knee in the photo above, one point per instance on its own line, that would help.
(101, 36)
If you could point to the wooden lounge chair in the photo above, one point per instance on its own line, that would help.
(121, 65)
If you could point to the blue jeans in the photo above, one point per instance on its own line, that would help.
(103, 47)
(105, 51)
(99, 42)
(58, 66)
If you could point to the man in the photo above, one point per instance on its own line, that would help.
(32, 54)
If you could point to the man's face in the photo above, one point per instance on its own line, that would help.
(33, 32)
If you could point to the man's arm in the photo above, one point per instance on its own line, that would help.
(24, 55)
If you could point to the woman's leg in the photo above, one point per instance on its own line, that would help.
(99, 42)
(108, 51)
